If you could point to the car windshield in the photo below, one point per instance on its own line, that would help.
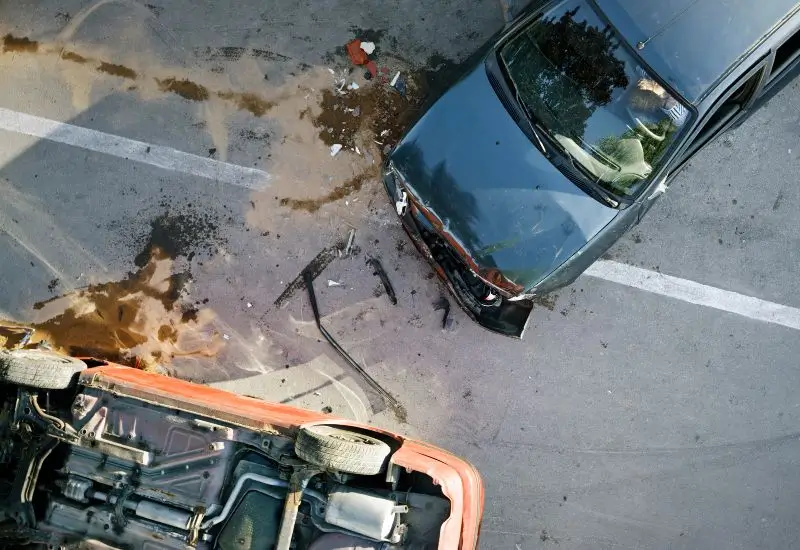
(591, 97)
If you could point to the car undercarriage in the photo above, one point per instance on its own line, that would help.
(91, 467)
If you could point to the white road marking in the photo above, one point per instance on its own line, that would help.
(131, 149)
(696, 293)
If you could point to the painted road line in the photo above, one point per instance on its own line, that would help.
(131, 149)
(696, 293)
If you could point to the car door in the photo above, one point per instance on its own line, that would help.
(731, 106)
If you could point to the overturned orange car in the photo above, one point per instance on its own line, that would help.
(98, 455)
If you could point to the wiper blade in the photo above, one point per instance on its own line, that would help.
(531, 125)
(529, 118)
(591, 184)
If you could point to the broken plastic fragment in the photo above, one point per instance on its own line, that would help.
(335, 148)
(226, 337)
(401, 205)
(353, 86)
(384, 133)
(394, 80)
(350, 239)
(334, 283)
(400, 86)
(368, 47)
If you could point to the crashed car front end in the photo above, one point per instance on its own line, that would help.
(490, 299)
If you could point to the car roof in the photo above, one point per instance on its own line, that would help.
(693, 43)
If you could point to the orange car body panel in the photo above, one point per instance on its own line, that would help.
(458, 480)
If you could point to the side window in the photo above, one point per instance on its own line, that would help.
(785, 55)
(724, 113)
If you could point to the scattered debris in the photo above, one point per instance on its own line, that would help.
(400, 86)
(368, 47)
(395, 79)
(314, 268)
(226, 337)
(249, 305)
(387, 397)
(350, 240)
(353, 86)
(443, 304)
(327, 409)
(357, 55)
(335, 148)
(331, 282)
(381, 273)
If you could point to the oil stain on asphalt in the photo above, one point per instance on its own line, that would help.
(145, 318)
(137, 321)
(183, 87)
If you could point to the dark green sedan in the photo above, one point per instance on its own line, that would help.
(567, 130)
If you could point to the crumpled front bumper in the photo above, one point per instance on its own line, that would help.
(508, 318)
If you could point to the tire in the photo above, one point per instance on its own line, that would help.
(39, 369)
(341, 450)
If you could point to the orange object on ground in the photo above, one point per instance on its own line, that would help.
(357, 55)
(459, 481)
(190, 460)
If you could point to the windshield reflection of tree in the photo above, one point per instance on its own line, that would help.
(566, 69)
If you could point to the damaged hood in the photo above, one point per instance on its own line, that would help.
(468, 162)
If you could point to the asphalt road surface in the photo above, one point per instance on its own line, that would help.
(165, 174)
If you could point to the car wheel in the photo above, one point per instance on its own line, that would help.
(341, 450)
(39, 369)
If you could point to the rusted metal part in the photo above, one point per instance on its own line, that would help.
(294, 496)
(490, 276)
(375, 264)
(412, 230)
(387, 397)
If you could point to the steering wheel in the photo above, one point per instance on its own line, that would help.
(647, 131)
